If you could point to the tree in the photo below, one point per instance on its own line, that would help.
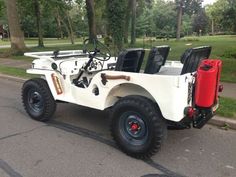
(115, 17)
(100, 14)
(145, 23)
(59, 25)
(187, 24)
(133, 23)
(127, 21)
(189, 7)
(229, 14)
(1, 8)
(180, 5)
(91, 19)
(60, 10)
(223, 15)
(211, 15)
(16, 34)
(164, 19)
(200, 22)
(38, 16)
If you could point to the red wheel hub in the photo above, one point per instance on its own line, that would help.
(134, 127)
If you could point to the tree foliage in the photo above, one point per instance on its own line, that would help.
(200, 22)
(115, 17)
(223, 13)
(121, 19)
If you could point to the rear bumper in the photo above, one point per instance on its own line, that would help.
(204, 115)
(200, 118)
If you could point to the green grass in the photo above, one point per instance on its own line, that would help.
(18, 57)
(223, 47)
(227, 107)
(14, 72)
(229, 70)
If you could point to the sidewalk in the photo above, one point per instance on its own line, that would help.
(15, 63)
(229, 90)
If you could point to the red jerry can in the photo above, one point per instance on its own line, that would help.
(207, 82)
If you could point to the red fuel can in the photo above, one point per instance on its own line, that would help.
(207, 82)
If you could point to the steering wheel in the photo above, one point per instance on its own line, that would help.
(97, 51)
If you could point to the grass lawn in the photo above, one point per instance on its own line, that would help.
(14, 72)
(223, 47)
(227, 107)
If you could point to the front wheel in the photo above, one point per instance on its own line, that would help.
(137, 126)
(38, 100)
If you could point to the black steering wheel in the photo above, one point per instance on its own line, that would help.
(99, 51)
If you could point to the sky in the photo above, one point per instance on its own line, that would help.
(205, 2)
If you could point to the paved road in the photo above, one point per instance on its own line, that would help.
(77, 143)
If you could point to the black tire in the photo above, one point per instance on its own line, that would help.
(137, 126)
(38, 100)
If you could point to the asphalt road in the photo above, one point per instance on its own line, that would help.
(77, 143)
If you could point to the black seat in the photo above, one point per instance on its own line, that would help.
(164, 51)
(192, 57)
(157, 58)
(130, 60)
(185, 55)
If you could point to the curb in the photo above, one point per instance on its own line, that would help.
(223, 122)
(13, 78)
(216, 120)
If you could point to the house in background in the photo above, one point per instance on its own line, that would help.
(1, 32)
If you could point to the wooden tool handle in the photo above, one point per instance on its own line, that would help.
(109, 77)
(106, 77)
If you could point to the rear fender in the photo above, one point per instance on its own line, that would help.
(126, 89)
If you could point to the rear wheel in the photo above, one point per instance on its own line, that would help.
(137, 126)
(38, 100)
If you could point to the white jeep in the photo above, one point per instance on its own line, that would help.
(143, 103)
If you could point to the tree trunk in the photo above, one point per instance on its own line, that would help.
(66, 27)
(127, 21)
(39, 22)
(179, 20)
(8, 34)
(133, 23)
(91, 19)
(16, 34)
(212, 27)
(70, 28)
(58, 19)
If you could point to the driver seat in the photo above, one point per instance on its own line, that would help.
(130, 60)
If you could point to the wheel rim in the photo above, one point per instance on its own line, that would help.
(133, 128)
(35, 101)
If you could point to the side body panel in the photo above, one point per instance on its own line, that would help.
(169, 92)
